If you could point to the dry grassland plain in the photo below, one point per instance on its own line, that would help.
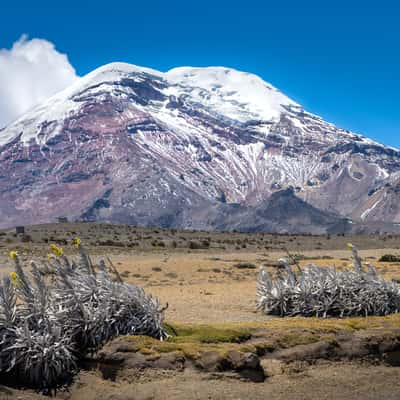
(209, 279)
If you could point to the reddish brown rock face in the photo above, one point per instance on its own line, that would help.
(140, 147)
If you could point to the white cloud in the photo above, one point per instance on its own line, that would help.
(31, 71)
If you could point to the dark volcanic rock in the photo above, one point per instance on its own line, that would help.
(283, 212)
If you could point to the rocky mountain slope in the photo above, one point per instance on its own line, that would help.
(205, 148)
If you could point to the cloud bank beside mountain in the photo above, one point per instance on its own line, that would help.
(31, 71)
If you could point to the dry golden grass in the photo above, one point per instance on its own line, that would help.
(203, 287)
(212, 308)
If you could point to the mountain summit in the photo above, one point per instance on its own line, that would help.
(204, 148)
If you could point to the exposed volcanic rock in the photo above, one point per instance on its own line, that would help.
(193, 148)
(382, 203)
(284, 212)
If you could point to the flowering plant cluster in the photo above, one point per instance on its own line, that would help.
(322, 292)
(64, 309)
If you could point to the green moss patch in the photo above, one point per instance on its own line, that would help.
(256, 337)
(207, 334)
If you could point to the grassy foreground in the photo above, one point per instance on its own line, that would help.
(261, 337)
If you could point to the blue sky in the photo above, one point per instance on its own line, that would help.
(339, 59)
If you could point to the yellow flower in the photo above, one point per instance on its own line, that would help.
(13, 255)
(77, 242)
(57, 251)
(350, 246)
(14, 277)
(49, 257)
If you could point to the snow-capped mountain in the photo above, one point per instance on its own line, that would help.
(192, 147)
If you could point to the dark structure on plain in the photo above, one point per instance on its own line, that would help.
(19, 230)
(62, 220)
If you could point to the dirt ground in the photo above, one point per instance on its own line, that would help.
(328, 381)
(207, 286)
(216, 283)
(320, 382)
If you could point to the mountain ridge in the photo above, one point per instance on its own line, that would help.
(183, 141)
